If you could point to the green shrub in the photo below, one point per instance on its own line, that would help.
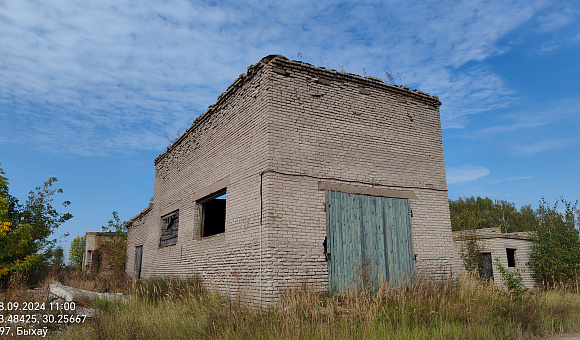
(512, 280)
(555, 256)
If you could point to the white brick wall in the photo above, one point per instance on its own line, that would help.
(492, 240)
(294, 118)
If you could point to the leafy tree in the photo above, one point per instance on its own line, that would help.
(526, 220)
(77, 251)
(555, 257)
(25, 230)
(115, 225)
(118, 245)
(55, 257)
(475, 213)
(469, 253)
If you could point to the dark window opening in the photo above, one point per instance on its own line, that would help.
(511, 257)
(213, 214)
(169, 226)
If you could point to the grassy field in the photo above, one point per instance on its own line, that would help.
(167, 308)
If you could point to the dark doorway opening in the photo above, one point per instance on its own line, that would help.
(485, 266)
(138, 258)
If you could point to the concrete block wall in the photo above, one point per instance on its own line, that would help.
(288, 118)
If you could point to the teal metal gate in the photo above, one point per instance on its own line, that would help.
(369, 240)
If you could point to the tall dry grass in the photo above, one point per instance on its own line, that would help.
(102, 282)
(167, 308)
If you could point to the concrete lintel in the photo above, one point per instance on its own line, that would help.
(372, 191)
(172, 207)
(488, 237)
(210, 189)
(101, 233)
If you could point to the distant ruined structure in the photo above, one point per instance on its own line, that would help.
(99, 256)
(299, 174)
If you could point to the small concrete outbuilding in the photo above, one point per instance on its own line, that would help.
(511, 250)
(99, 256)
(299, 174)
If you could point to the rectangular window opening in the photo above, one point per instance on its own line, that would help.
(213, 214)
(169, 229)
(511, 257)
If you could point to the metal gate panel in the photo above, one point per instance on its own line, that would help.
(345, 241)
(373, 269)
(369, 240)
(391, 240)
(351, 227)
(402, 241)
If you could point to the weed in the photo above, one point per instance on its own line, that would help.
(512, 279)
(465, 308)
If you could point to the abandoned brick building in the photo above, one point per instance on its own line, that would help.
(512, 250)
(299, 174)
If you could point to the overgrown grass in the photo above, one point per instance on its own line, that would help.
(167, 308)
(102, 282)
(467, 309)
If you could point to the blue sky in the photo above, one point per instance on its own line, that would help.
(89, 90)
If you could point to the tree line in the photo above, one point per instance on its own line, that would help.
(476, 213)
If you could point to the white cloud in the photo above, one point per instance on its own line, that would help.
(511, 179)
(531, 149)
(100, 75)
(549, 113)
(465, 173)
(552, 21)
